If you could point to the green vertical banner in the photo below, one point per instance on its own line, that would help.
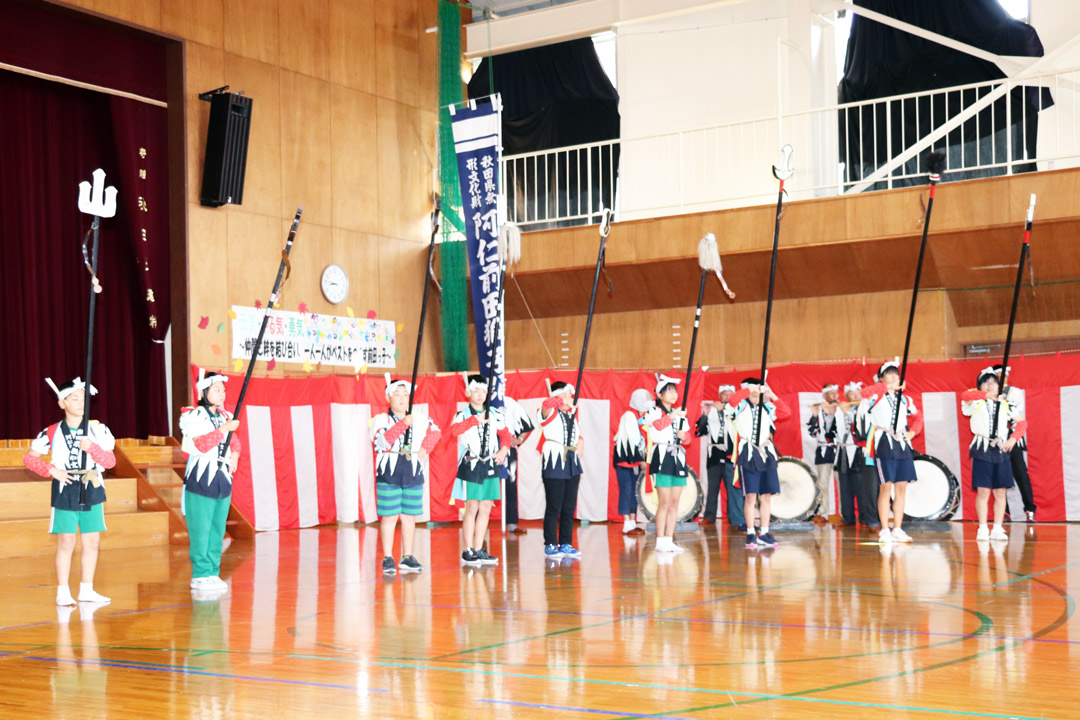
(452, 249)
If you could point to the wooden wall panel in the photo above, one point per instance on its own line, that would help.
(201, 21)
(397, 51)
(805, 330)
(358, 254)
(141, 12)
(404, 180)
(205, 70)
(261, 82)
(351, 43)
(254, 253)
(208, 272)
(354, 145)
(251, 29)
(305, 148)
(428, 61)
(401, 273)
(303, 26)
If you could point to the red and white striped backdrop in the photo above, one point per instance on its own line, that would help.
(307, 456)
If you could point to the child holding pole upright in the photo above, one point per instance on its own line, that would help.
(402, 444)
(666, 429)
(890, 444)
(560, 469)
(78, 492)
(991, 467)
(757, 461)
(208, 478)
(483, 444)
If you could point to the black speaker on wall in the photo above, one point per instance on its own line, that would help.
(226, 149)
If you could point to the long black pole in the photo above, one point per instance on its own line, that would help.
(693, 338)
(605, 228)
(84, 426)
(423, 307)
(1024, 249)
(934, 178)
(782, 173)
(262, 328)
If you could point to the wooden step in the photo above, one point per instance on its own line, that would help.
(161, 455)
(29, 499)
(20, 538)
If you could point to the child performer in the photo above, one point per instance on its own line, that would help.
(991, 468)
(628, 458)
(560, 469)
(822, 429)
(208, 478)
(402, 445)
(757, 465)
(667, 429)
(715, 422)
(70, 513)
(849, 455)
(483, 444)
(1015, 396)
(520, 426)
(892, 450)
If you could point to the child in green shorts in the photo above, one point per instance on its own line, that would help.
(666, 430)
(76, 459)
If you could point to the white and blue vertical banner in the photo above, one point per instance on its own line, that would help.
(477, 130)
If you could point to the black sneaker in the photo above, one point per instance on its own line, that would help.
(470, 557)
(486, 559)
(767, 540)
(409, 564)
(388, 566)
(751, 540)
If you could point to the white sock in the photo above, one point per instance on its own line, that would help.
(63, 595)
(982, 526)
(764, 529)
(628, 524)
(996, 526)
(663, 542)
(87, 594)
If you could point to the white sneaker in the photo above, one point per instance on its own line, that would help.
(675, 548)
(998, 533)
(983, 533)
(90, 595)
(664, 544)
(201, 583)
(899, 535)
(885, 536)
(63, 596)
(217, 583)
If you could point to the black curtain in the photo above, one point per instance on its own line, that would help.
(883, 61)
(555, 96)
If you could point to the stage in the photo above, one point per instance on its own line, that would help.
(827, 625)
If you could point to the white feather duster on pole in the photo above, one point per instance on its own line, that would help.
(709, 260)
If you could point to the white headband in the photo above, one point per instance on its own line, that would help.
(853, 387)
(392, 385)
(662, 380)
(993, 371)
(895, 363)
(205, 382)
(725, 388)
(471, 385)
(829, 388)
(565, 388)
(76, 384)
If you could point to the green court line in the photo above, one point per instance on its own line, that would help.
(1069, 610)
(985, 625)
(607, 622)
(1036, 574)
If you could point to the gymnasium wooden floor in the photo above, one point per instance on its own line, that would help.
(825, 626)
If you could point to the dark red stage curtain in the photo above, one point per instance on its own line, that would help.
(72, 44)
(52, 136)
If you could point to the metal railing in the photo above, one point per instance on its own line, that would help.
(1001, 127)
